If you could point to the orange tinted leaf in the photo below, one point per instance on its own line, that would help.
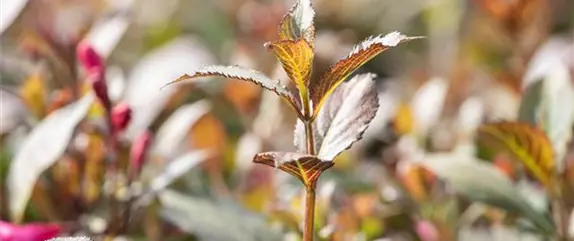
(528, 144)
(242, 95)
(296, 56)
(208, 133)
(298, 23)
(305, 167)
(322, 87)
(412, 176)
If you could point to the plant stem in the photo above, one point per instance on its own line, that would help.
(309, 187)
(310, 137)
(309, 212)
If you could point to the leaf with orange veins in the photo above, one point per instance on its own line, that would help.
(236, 72)
(296, 57)
(528, 144)
(298, 23)
(307, 168)
(322, 87)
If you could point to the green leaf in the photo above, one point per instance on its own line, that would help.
(530, 104)
(214, 220)
(40, 150)
(482, 182)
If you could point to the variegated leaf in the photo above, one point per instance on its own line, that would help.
(344, 119)
(528, 144)
(307, 168)
(322, 87)
(298, 23)
(236, 72)
(296, 56)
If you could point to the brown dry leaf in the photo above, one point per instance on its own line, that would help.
(298, 23)
(296, 56)
(526, 143)
(345, 117)
(33, 91)
(305, 167)
(322, 87)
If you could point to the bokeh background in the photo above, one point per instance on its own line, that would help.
(475, 65)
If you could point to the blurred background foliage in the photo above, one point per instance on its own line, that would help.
(482, 60)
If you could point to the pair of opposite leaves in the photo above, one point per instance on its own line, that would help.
(340, 115)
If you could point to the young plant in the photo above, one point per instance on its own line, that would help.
(332, 115)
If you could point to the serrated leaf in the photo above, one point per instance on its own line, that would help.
(528, 144)
(298, 23)
(322, 87)
(482, 182)
(307, 168)
(40, 150)
(344, 118)
(236, 72)
(296, 57)
(214, 220)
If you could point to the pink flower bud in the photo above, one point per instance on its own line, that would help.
(138, 152)
(426, 231)
(100, 87)
(121, 116)
(28, 232)
(88, 56)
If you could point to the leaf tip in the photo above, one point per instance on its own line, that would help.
(181, 78)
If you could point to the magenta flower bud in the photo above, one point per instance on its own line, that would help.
(88, 56)
(100, 87)
(121, 116)
(138, 152)
(28, 232)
